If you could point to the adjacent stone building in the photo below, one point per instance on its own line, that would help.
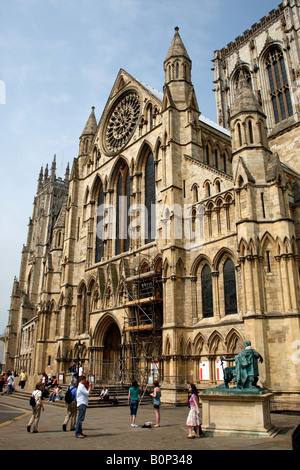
(173, 239)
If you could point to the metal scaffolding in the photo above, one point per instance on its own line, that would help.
(142, 334)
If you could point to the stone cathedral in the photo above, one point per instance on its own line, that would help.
(172, 239)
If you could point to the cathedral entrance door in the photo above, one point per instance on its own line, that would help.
(111, 354)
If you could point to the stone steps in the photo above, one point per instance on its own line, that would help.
(117, 391)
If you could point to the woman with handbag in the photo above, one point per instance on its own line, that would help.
(37, 406)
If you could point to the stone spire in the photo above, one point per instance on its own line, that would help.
(46, 174)
(177, 48)
(91, 125)
(177, 65)
(88, 134)
(53, 168)
(245, 99)
(40, 180)
(247, 120)
(67, 174)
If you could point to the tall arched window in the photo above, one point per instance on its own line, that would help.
(99, 228)
(207, 154)
(122, 210)
(150, 199)
(84, 313)
(207, 292)
(150, 117)
(82, 303)
(250, 130)
(224, 162)
(216, 159)
(240, 134)
(229, 288)
(279, 85)
(193, 225)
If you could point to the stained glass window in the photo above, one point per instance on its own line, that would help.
(150, 199)
(99, 230)
(279, 85)
(122, 211)
(207, 293)
(229, 288)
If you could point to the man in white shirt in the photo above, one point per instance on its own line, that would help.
(104, 395)
(10, 384)
(82, 403)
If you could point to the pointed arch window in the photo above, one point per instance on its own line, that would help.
(224, 162)
(150, 199)
(150, 118)
(193, 225)
(82, 302)
(207, 292)
(122, 210)
(99, 228)
(84, 313)
(240, 134)
(229, 287)
(279, 85)
(207, 189)
(216, 159)
(207, 154)
(250, 129)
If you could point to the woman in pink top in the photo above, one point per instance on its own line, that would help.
(194, 417)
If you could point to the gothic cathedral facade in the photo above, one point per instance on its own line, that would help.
(173, 239)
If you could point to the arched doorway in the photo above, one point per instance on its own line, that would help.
(106, 351)
(112, 353)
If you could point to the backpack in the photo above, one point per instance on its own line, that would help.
(68, 395)
(32, 401)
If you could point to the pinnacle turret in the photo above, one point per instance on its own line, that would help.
(177, 64)
(91, 125)
(177, 48)
(245, 99)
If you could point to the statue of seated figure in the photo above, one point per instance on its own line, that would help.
(245, 372)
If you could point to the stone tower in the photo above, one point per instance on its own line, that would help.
(28, 296)
(263, 215)
(268, 54)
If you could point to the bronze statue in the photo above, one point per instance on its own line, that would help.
(245, 373)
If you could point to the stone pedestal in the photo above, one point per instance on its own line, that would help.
(236, 413)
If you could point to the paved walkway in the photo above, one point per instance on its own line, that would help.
(108, 428)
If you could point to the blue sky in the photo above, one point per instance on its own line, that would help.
(58, 58)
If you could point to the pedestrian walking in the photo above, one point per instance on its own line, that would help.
(133, 401)
(71, 404)
(36, 409)
(23, 378)
(2, 382)
(194, 417)
(156, 402)
(10, 384)
(82, 403)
